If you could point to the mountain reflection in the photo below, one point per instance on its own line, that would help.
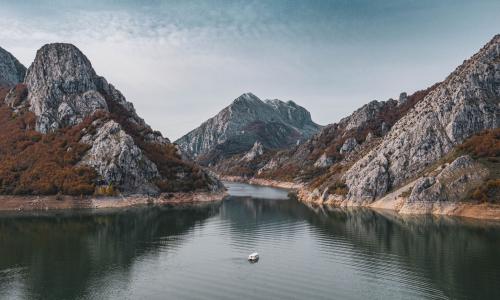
(61, 254)
(455, 253)
(185, 252)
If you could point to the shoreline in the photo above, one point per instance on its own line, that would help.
(263, 182)
(400, 205)
(397, 204)
(53, 202)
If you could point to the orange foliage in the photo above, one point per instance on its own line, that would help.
(33, 163)
(484, 144)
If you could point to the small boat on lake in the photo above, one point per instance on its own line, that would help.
(253, 257)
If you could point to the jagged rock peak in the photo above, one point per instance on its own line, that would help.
(11, 70)
(62, 87)
(246, 98)
(277, 123)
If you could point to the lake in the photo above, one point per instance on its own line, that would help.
(200, 252)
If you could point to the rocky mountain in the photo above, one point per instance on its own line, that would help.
(273, 124)
(410, 146)
(339, 142)
(464, 104)
(11, 70)
(81, 129)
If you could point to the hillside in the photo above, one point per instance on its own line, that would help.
(404, 149)
(66, 130)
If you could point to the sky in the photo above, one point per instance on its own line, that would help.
(180, 62)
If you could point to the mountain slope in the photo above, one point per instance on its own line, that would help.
(401, 151)
(11, 70)
(466, 103)
(341, 142)
(74, 133)
(234, 130)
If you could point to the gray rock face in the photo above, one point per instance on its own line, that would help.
(256, 151)
(403, 97)
(62, 89)
(349, 145)
(279, 124)
(451, 184)
(364, 114)
(462, 105)
(118, 160)
(11, 70)
(323, 161)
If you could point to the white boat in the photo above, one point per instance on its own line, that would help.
(253, 257)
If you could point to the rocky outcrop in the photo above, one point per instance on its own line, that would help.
(11, 70)
(446, 187)
(65, 94)
(323, 161)
(256, 151)
(366, 113)
(274, 123)
(403, 97)
(451, 184)
(64, 89)
(464, 104)
(118, 159)
(349, 145)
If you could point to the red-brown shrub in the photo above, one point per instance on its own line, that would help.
(34, 163)
(484, 144)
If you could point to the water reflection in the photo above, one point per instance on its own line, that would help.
(459, 256)
(201, 251)
(59, 255)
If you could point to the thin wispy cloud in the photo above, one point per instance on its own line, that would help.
(181, 62)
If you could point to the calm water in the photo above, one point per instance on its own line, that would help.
(200, 253)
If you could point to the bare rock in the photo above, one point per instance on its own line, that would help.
(256, 151)
(466, 103)
(323, 161)
(403, 97)
(62, 91)
(118, 160)
(11, 70)
(349, 145)
(451, 184)
(274, 123)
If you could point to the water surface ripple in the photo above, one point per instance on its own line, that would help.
(199, 252)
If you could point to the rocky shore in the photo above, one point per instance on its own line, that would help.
(394, 202)
(402, 205)
(37, 203)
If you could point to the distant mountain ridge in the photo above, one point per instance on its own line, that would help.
(234, 130)
(11, 70)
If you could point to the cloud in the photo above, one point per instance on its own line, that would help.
(180, 62)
